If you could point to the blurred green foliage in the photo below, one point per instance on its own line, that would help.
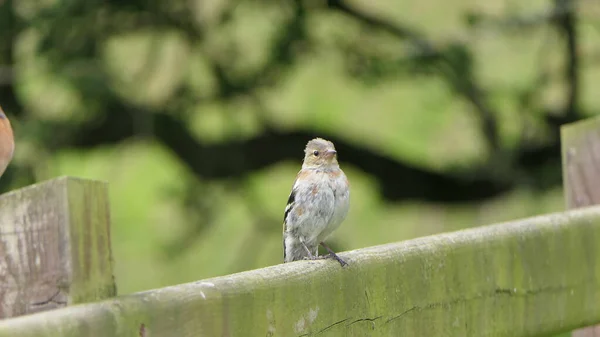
(459, 89)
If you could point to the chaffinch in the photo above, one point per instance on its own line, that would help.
(317, 205)
(7, 144)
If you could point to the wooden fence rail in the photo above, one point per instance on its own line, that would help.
(529, 277)
(581, 175)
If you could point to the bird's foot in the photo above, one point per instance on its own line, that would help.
(333, 255)
(339, 259)
(324, 257)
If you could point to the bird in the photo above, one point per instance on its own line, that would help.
(7, 143)
(317, 205)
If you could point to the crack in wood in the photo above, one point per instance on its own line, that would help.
(52, 299)
(332, 325)
(401, 314)
(26, 231)
(513, 292)
(325, 328)
(371, 320)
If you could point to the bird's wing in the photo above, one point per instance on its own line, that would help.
(289, 206)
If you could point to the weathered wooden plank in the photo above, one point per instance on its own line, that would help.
(54, 246)
(525, 278)
(581, 174)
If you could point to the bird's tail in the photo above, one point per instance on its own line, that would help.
(293, 250)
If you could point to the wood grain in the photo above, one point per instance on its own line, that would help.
(581, 175)
(531, 277)
(54, 246)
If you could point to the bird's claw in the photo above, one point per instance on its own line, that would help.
(339, 259)
(324, 257)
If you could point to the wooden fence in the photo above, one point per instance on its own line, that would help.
(54, 246)
(531, 277)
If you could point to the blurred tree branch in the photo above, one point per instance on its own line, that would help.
(454, 65)
(455, 57)
(235, 158)
(567, 23)
(518, 22)
(453, 62)
(10, 25)
(282, 55)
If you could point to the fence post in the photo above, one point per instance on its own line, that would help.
(581, 175)
(54, 246)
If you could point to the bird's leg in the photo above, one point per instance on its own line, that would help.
(334, 255)
(310, 255)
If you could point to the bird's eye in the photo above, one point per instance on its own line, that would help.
(316, 153)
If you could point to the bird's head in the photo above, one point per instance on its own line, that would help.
(320, 153)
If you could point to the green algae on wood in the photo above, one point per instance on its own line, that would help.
(581, 175)
(531, 277)
(54, 246)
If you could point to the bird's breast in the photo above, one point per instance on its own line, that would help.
(7, 145)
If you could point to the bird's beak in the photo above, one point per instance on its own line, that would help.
(330, 153)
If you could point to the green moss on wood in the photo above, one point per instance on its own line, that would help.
(54, 246)
(89, 218)
(531, 277)
(581, 173)
(580, 162)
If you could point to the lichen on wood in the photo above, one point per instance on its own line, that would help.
(54, 246)
(530, 277)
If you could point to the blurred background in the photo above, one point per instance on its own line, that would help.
(445, 114)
